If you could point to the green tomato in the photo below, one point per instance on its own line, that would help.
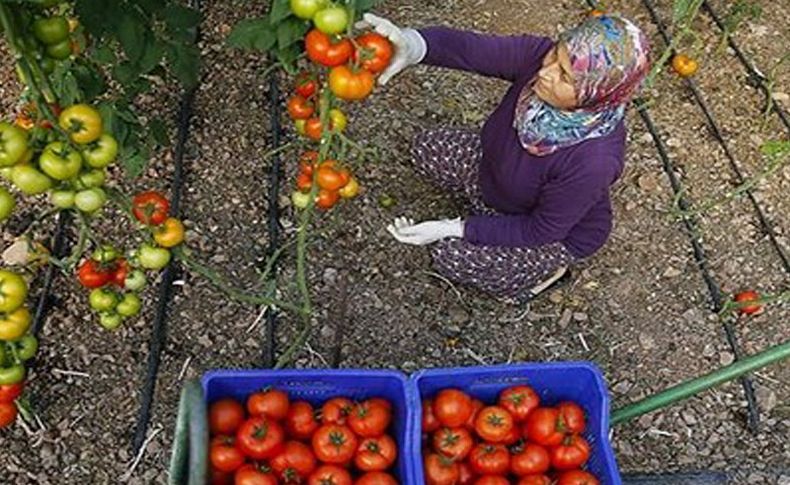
(6, 172)
(51, 30)
(90, 200)
(135, 280)
(332, 20)
(62, 199)
(13, 144)
(59, 51)
(29, 180)
(47, 65)
(102, 152)
(59, 161)
(7, 203)
(105, 254)
(13, 291)
(93, 178)
(129, 306)
(102, 299)
(110, 321)
(306, 9)
(151, 257)
(12, 375)
(26, 347)
(300, 199)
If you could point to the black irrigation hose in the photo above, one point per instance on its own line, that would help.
(717, 134)
(274, 217)
(58, 250)
(159, 331)
(758, 77)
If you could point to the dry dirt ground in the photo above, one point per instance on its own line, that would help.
(639, 309)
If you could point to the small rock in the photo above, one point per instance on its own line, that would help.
(673, 142)
(646, 138)
(767, 399)
(409, 366)
(555, 297)
(688, 418)
(622, 387)
(330, 276)
(630, 205)
(709, 351)
(646, 341)
(784, 480)
(647, 182)
(565, 318)
(580, 317)
(780, 97)
(458, 315)
(625, 448)
(645, 421)
(726, 358)
(453, 330)
(672, 272)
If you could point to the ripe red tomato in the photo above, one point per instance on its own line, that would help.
(429, 421)
(513, 437)
(329, 178)
(120, 272)
(375, 52)
(260, 438)
(304, 182)
(334, 444)
(224, 454)
(269, 402)
(746, 297)
(225, 416)
(301, 421)
(494, 424)
(9, 392)
(488, 459)
(532, 459)
(150, 208)
(313, 128)
(368, 420)
(455, 443)
(572, 417)
(322, 50)
(349, 84)
(440, 470)
(572, 453)
(535, 480)
(252, 475)
(577, 477)
(477, 406)
(336, 410)
(326, 199)
(376, 454)
(544, 427)
(376, 478)
(452, 407)
(330, 475)
(7, 413)
(381, 402)
(492, 480)
(306, 84)
(294, 463)
(92, 274)
(218, 477)
(519, 401)
(465, 474)
(299, 108)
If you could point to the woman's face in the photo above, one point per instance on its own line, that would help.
(554, 82)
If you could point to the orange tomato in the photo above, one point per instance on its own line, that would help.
(300, 108)
(326, 199)
(350, 190)
(684, 65)
(350, 85)
(313, 128)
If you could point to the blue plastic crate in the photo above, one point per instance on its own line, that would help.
(577, 381)
(317, 386)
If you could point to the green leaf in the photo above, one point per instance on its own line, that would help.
(185, 63)
(90, 81)
(98, 16)
(291, 31)
(252, 34)
(157, 129)
(104, 55)
(125, 72)
(152, 56)
(287, 57)
(361, 6)
(132, 35)
(134, 162)
(179, 17)
(280, 10)
(65, 85)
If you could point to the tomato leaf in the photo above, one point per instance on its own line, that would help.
(185, 62)
(104, 55)
(131, 34)
(134, 162)
(179, 17)
(157, 129)
(280, 10)
(253, 34)
(65, 85)
(90, 81)
(287, 57)
(361, 6)
(291, 31)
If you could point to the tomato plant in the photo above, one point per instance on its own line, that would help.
(300, 108)
(331, 20)
(306, 9)
(13, 144)
(13, 291)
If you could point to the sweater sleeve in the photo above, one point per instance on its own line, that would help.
(563, 203)
(505, 57)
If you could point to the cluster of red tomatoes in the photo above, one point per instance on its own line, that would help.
(515, 441)
(334, 182)
(276, 441)
(114, 280)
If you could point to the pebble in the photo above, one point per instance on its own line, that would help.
(565, 319)
(556, 297)
(672, 272)
(688, 418)
(645, 421)
(453, 330)
(580, 317)
(780, 96)
(622, 387)
(330, 276)
(767, 399)
(646, 341)
(726, 358)
(784, 480)
(709, 351)
(648, 182)
(458, 314)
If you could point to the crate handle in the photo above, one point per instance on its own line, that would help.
(189, 460)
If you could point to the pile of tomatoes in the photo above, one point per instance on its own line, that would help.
(334, 182)
(515, 441)
(16, 344)
(273, 440)
(114, 280)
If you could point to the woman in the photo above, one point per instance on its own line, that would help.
(539, 173)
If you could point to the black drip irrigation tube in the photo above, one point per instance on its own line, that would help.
(159, 330)
(757, 77)
(58, 250)
(691, 226)
(767, 228)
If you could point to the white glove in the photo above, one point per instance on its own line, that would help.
(407, 232)
(410, 46)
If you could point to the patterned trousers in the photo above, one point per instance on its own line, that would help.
(451, 158)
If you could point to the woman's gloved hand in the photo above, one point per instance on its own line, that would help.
(407, 232)
(410, 47)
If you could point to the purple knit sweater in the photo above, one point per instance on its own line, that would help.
(561, 197)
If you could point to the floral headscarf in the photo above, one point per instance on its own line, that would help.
(609, 60)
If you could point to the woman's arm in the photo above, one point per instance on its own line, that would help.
(505, 57)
